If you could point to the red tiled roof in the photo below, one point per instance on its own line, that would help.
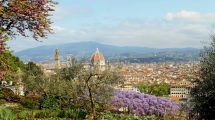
(97, 56)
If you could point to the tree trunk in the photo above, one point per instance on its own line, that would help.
(92, 102)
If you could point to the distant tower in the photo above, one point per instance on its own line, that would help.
(69, 60)
(57, 59)
(98, 60)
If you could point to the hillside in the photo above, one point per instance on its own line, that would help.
(85, 50)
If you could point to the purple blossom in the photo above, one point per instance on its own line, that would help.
(142, 104)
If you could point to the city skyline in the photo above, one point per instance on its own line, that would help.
(129, 23)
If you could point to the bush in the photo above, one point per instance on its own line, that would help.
(30, 102)
(37, 114)
(46, 114)
(111, 116)
(72, 113)
(26, 115)
(50, 102)
(2, 101)
(8, 95)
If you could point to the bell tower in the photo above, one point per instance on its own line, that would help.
(57, 59)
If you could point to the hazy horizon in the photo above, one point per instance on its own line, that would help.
(107, 44)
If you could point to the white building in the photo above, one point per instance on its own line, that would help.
(181, 90)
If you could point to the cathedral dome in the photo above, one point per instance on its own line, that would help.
(97, 58)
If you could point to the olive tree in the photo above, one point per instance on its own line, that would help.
(95, 90)
(203, 94)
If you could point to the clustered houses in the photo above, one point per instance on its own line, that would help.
(179, 75)
(159, 72)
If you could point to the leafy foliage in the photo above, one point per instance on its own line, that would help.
(34, 79)
(72, 113)
(25, 115)
(9, 64)
(17, 16)
(8, 95)
(70, 73)
(50, 102)
(204, 91)
(142, 104)
(6, 114)
(30, 102)
(162, 89)
(46, 114)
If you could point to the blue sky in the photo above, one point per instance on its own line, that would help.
(147, 23)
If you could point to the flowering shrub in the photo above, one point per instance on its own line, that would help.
(142, 104)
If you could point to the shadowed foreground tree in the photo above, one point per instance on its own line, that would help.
(203, 94)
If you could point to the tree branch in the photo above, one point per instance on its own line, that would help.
(9, 25)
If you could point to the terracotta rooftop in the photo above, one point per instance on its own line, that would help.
(97, 56)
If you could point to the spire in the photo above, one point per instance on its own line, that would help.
(97, 50)
(57, 54)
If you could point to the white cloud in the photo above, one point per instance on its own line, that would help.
(148, 34)
(191, 16)
(181, 29)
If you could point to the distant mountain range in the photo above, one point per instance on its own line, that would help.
(86, 49)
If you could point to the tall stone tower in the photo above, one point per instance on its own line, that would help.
(57, 59)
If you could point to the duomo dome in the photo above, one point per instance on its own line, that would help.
(97, 58)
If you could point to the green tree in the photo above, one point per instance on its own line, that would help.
(12, 63)
(144, 88)
(70, 73)
(34, 79)
(203, 93)
(157, 89)
(60, 85)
